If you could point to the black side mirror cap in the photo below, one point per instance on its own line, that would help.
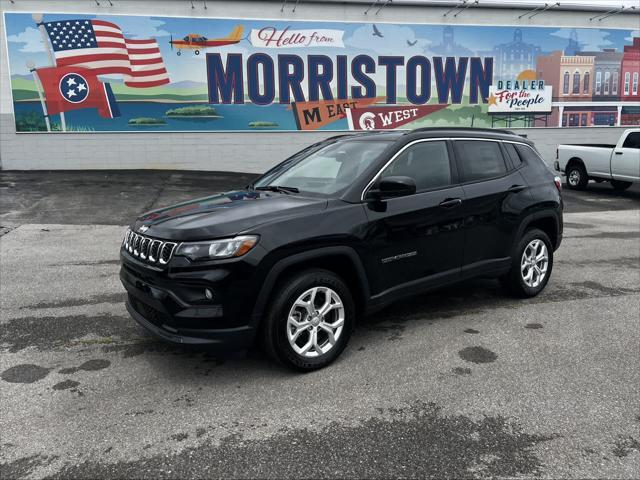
(391, 187)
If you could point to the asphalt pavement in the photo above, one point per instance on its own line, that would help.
(462, 382)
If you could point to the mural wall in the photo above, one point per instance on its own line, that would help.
(88, 73)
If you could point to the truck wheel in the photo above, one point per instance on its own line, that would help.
(577, 178)
(619, 185)
(309, 321)
(531, 265)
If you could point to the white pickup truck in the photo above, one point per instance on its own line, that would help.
(618, 164)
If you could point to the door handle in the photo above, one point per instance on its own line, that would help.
(451, 203)
(619, 153)
(516, 188)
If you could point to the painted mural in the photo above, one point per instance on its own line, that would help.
(88, 73)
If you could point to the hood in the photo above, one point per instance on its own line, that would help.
(223, 215)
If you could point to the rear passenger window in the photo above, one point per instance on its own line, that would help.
(426, 162)
(632, 141)
(516, 161)
(479, 160)
(530, 155)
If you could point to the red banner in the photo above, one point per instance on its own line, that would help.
(388, 117)
(313, 115)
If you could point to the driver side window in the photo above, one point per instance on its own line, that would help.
(427, 163)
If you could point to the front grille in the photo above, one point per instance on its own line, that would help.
(148, 249)
(149, 313)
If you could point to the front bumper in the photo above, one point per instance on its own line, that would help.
(168, 308)
(230, 338)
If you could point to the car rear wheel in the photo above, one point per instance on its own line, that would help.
(619, 185)
(310, 320)
(577, 178)
(531, 266)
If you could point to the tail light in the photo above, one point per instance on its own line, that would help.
(558, 181)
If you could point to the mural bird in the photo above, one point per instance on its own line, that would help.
(376, 32)
(411, 44)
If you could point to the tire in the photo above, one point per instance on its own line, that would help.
(279, 329)
(577, 178)
(619, 185)
(516, 280)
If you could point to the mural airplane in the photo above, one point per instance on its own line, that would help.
(197, 42)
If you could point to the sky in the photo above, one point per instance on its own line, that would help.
(25, 41)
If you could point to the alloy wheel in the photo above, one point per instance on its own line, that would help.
(315, 322)
(534, 263)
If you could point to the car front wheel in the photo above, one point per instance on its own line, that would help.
(531, 265)
(310, 320)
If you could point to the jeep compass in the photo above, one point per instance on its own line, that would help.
(339, 230)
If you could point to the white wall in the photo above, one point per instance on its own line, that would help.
(240, 152)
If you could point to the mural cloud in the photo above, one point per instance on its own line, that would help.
(138, 27)
(589, 39)
(634, 33)
(31, 38)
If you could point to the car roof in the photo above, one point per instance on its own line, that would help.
(436, 132)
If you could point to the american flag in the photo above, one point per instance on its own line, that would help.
(102, 47)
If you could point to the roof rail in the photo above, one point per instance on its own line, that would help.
(468, 129)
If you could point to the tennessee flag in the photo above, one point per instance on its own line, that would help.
(72, 88)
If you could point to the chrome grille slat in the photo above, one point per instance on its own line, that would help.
(154, 250)
(165, 252)
(144, 246)
(132, 242)
(148, 249)
(136, 245)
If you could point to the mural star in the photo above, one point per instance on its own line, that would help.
(81, 87)
(493, 100)
(71, 93)
(71, 81)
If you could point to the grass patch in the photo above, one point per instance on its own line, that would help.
(192, 111)
(147, 121)
(34, 122)
(263, 124)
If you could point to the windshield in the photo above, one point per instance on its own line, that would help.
(327, 170)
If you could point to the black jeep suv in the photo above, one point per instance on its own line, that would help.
(338, 230)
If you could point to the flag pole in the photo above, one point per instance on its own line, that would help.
(31, 66)
(37, 17)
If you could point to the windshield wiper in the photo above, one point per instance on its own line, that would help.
(279, 188)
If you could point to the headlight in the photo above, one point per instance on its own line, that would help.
(227, 248)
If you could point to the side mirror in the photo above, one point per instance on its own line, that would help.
(391, 187)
